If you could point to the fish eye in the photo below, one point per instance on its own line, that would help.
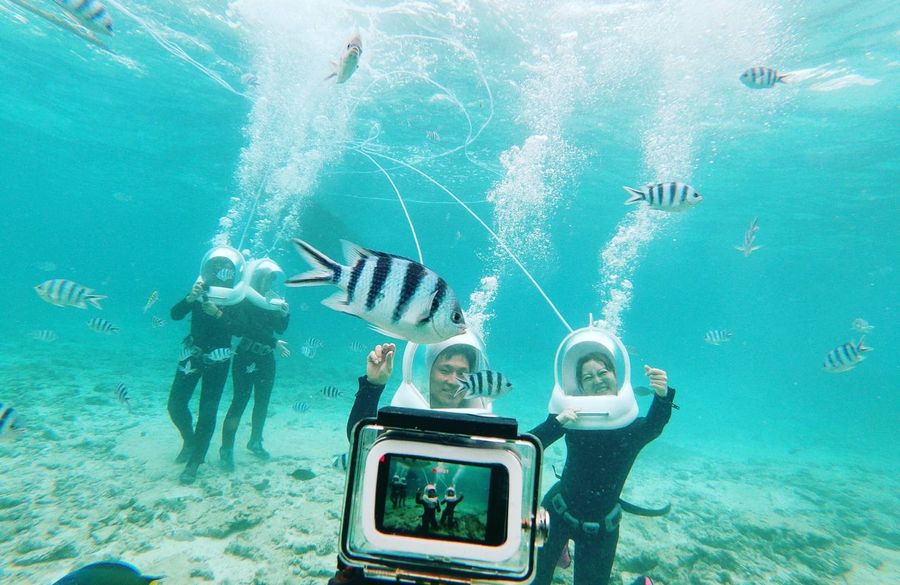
(456, 317)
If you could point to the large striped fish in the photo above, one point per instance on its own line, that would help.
(397, 296)
(91, 13)
(845, 357)
(762, 77)
(484, 384)
(66, 293)
(665, 196)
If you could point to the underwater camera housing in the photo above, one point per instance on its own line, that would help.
(493, 529)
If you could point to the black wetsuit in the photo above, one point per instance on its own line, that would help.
(449, 506)
(430, 508)
(253, 369)
(208, 334)
(597, 465)
(365, 405)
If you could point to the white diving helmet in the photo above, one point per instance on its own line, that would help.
(264, 284)
(604, 412)
(417, 374)
(221, 270)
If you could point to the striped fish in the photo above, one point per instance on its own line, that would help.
(314, 342)
(339, 461)
(717, 336)
(357, 346)
(45, 335)
(91, 13)
(66, 293)
(300, 407)
(157, 322)
(670, 197)
(101, 325)
(151, 300)
(331, 392)
(222, 354)
(186, 368)
(8, 420)
(397, 296)
(484, 384)
(747, 247)
(845, 357)
(309, 352)
(122, 395)
(762, 77)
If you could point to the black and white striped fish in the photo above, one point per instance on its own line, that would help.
(670, 197)
(101, 325)
(66, 293)
(747, 247)
(331, 392)
(762, 77)
(339, 461)
(845, 357)
(397, 296)
(357, 346)
(484, 384)
(45, 335)
(9, 420)
(301, 407)
(717, 336)
(122, 395)
(91, 13)
(313, 342)
(221, 354)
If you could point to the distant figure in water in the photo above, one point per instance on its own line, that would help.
(430, 507)
(450, 501)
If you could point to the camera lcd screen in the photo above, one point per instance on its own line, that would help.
(442, 500)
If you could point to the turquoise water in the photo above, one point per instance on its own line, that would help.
(120, 168)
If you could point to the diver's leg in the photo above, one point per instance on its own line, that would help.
(262, 392)
(594, 558)
(214, 376)
(241, 388)
(548, 555)
(179, 411)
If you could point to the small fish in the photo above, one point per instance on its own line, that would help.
(222, 354)
(331, 392)
(123, 197)
(349, 60)
(186, 368)
(484, 384)
(9, 421)
(397, 296)
(107, 573)
(314, 342)
(671, 197)
(717, 336)
(357, 346)
(45, 335)
(66, 293)
(101, 325)
(151, 300)
(251, 368)
(862, 326)
(186, 353)
(249, 79)
(157, 322)
(339, 461)
(747, 247)
(762, 77)
(433, 136)
(300, 407)
(309, 352)
(845, 357)
(225, 274)
(122, 395)
(91, 13)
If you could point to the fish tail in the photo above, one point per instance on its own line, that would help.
(635, 195)
(783, 78)
(94, 300)
(324, 269)
(860, 347)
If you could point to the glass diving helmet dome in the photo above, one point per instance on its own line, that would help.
(415, 389)
(265, 284)
(595, 412)
(221, 270)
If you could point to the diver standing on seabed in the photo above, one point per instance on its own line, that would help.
(206, 352)
(264, 312)
(450, 501)
(430, 507)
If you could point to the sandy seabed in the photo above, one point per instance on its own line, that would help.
(88, 482)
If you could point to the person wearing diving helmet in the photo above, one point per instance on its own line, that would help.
(206, 352)
(264, 313)
(593, 407)
(430, 507)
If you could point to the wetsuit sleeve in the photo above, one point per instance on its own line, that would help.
(659, 414)
(366, 403)
(180, 310)
(549, 431)
(281, 322)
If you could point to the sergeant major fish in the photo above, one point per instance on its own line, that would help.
(122, 395)
(483, 384)
(397, 296)
(9, 420)
(671, 197)
(222, 354)
(762, 77)
(101, 325)
(349, 60)
(67, 293)
(91, 13)
(747, 247)
(845, 357)
(717, 336)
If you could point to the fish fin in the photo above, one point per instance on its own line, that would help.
(783, 78)
(644, 390)
(338, 302)
(94, 300)
(755, 248)
(330, 76)
(635, 195)
(353, 253)
(385, 332)
(324, 269)
(860, 347)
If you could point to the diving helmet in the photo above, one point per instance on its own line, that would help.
(414, 390)
(221, 270)
(595, 412)
(265, 284)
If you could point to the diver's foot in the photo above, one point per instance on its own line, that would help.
(256, 448)
(186, 450)
(226, 459)
(189, 475)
